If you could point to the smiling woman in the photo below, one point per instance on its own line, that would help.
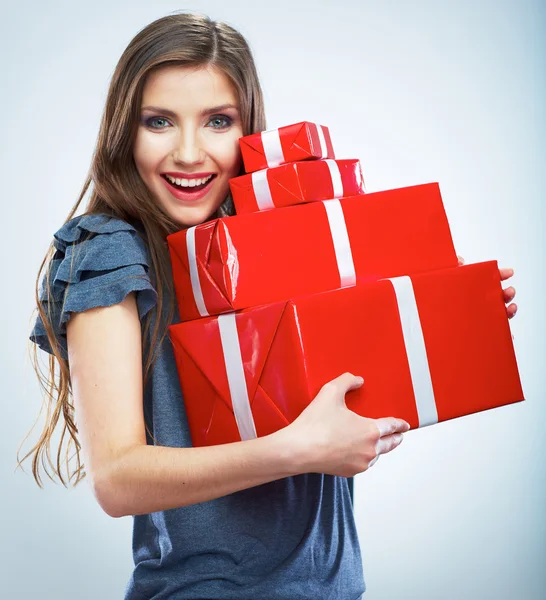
(186, 148)
(264, 518)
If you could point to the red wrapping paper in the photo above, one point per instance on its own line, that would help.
(297, 183)
(265, 257)
(300, 141)
(289, 350)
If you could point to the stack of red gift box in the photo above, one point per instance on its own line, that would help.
(312, 278)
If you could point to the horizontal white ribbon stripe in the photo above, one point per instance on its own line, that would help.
(336, 177)
(271, 141)
(194, 273)
(261, 190)
(416, 350)
(236, 376)
(342, 245)
(322, 140)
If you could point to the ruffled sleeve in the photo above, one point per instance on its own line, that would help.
(98, 261)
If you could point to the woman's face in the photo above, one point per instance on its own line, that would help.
(186, 147)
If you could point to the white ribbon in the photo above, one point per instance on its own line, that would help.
(322, 140)
(236, 376)
(342, 245)
(194, 273)
(262, 190)
(271, 141)
(337, 184)
(414, 342)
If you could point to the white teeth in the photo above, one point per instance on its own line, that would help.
(188, 182)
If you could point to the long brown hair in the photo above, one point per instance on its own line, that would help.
(117, 189)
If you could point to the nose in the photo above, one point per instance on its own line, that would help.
(189, 149)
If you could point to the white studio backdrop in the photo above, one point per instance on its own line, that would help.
(448, 90)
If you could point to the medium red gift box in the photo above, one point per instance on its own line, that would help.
(301, 141)
(296, 183)
(431, 347)
(247, 260)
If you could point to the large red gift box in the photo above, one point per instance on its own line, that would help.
(431, 347)
(248, 260)
(296, 183)
(301, 141)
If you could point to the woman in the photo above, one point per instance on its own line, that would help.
(266, 518)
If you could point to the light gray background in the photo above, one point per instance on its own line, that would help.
(448, 91)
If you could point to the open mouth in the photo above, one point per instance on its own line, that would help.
(188, 186)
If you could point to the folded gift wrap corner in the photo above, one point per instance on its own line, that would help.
(222, 361)
(205, 269)
(313, 141)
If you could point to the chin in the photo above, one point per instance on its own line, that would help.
(190, 216)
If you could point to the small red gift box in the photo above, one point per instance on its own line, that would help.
(301, 141)
(296, 183)
(431, 347)
(247, 260)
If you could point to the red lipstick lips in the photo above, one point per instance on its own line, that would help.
(187, 193)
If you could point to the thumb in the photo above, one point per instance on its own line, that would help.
(346, 383)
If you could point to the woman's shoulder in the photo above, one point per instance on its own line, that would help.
(99, 259)
(100, 241)
(87, 226)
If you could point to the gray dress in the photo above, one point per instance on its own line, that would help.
(291, 539)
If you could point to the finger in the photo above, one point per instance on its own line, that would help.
(388, 443)
(509, 294)
(390, 425)
(373, 461)
(346, 382)
(511, 310)
(461, 260)
(505, 273)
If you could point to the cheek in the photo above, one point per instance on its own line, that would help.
(228, 155)
(148, 152)
(140, 155)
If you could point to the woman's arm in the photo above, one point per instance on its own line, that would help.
(129, 477)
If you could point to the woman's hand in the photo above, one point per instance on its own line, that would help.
(329, 438)
(509, 293)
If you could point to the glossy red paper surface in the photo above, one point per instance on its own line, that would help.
(265, 257)
(299, 141)
(297, 183)
(291, 349)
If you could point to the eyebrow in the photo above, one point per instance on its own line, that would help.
(207, 111)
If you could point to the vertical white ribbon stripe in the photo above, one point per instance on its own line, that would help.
(236, 376)
(261, 190)
(322, 140)
(336, 177)
(194, 273)
(416, 350)
(271, 141)
(342, 245)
